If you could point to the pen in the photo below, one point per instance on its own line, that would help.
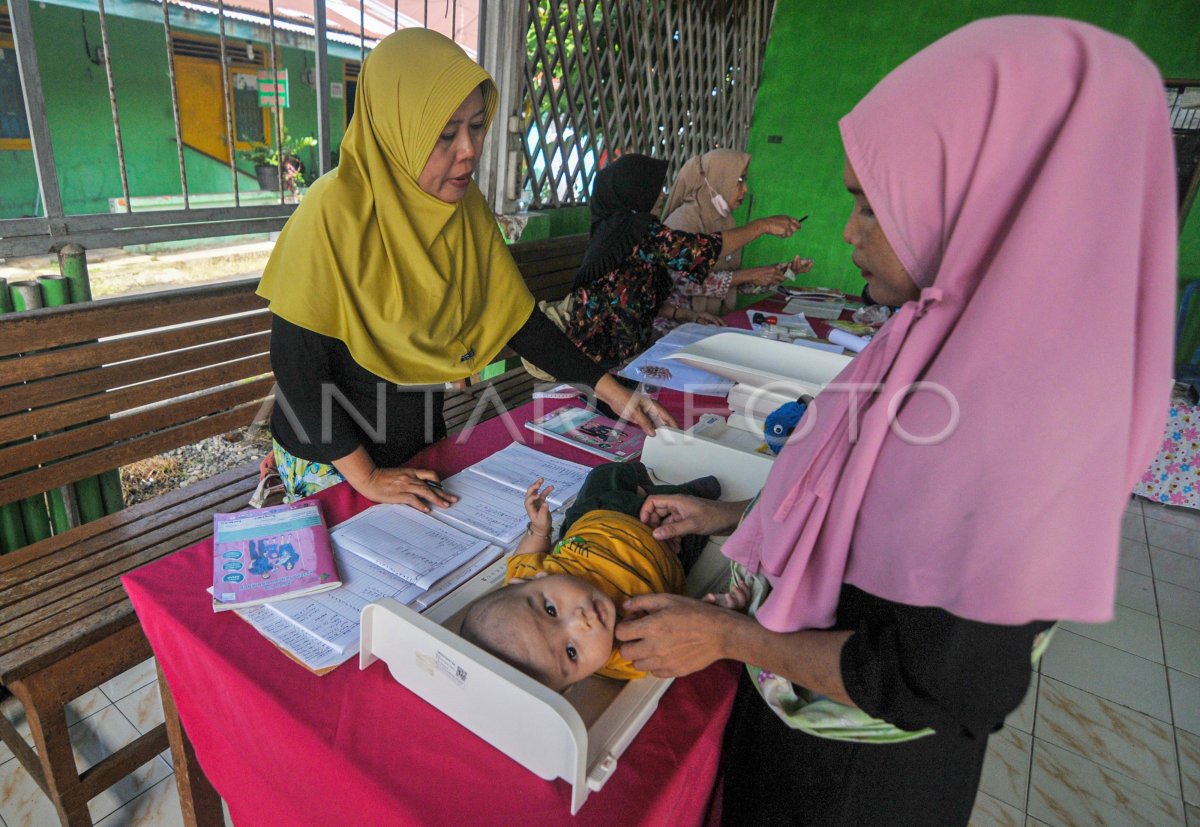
(802, 220)
(436, 486)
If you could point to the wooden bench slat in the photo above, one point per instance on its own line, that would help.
(37, 330)
(49, 477)
(32, 634)
(54, 553)
(40, 635)
(99, 406)
(79, 630)
(568, 263)
(65, 444)
(22, 622)
(56, 600)
(71, 358)
(527, 251)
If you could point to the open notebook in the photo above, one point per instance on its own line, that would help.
(416, 559)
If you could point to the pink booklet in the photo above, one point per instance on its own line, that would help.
(269, 554)
(596, 434)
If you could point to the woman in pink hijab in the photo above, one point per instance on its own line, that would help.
(960, 486)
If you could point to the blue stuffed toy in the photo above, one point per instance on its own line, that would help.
(780, 424)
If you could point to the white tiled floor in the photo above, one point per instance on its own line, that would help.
(1109, 733)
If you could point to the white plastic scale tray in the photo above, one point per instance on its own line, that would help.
(779, 367)
(578, 737)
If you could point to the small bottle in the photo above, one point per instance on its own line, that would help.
(770, 327)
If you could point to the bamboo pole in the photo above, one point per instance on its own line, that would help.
(63, 502)
(12, 526)
(27, 295)
(72, 263)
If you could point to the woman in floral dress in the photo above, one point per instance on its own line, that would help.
(625, 276)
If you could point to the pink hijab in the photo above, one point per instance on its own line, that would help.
(1022, 169)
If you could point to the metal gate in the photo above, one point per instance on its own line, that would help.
(668, 78)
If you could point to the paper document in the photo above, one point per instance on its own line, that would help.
(401, 540)
(654, 368)
(517, 466)
(398, 552)
(485, 508)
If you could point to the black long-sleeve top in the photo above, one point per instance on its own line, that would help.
(392, 422)
(919, 667)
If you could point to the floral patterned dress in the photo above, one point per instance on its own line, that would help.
(612, 319)
(1173, 478)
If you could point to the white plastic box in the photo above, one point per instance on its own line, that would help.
(580, 736)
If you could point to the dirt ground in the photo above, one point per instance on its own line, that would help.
(117, 272)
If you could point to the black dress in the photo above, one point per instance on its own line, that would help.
(914, 667)
(313, 371)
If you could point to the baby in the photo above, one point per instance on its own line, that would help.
(555, 616)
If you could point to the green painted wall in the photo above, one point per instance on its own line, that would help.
(77, 108)
(823, 56)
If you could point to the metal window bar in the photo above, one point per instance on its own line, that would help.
(227, 96)
(277, 110)
(669, 78)
(324, 157)
(183, 184)
(112, 102)
(37, 235)
(35, 116)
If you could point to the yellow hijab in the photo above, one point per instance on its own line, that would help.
(421, 291)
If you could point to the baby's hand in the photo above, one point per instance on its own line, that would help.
(736, 599)
(537, 508)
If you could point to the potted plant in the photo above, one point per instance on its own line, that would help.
(266, 161)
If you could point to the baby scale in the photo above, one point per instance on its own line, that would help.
(578, 737)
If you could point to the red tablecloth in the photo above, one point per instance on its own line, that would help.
(283, 746)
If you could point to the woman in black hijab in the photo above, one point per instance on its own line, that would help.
(625, 276)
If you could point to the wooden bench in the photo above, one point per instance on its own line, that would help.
(104, 384)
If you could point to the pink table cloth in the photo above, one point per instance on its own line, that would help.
(283, 746)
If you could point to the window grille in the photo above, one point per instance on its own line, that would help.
(14, 129)
(1183, 102)
(13, 126)
(247, 115)
(668, 78)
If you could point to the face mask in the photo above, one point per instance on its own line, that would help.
(718, 200)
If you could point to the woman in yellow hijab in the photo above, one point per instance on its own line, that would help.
(392, 279)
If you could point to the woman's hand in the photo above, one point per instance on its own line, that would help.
(678, 635)
(674, 515)
(686, 314)
(776, 225)
(407, 486)
(537, 508)
(267, 466)
(799, 265)
(417, 487)
(737, 237)
(638, 409)
(674, 635)
(768, 275)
